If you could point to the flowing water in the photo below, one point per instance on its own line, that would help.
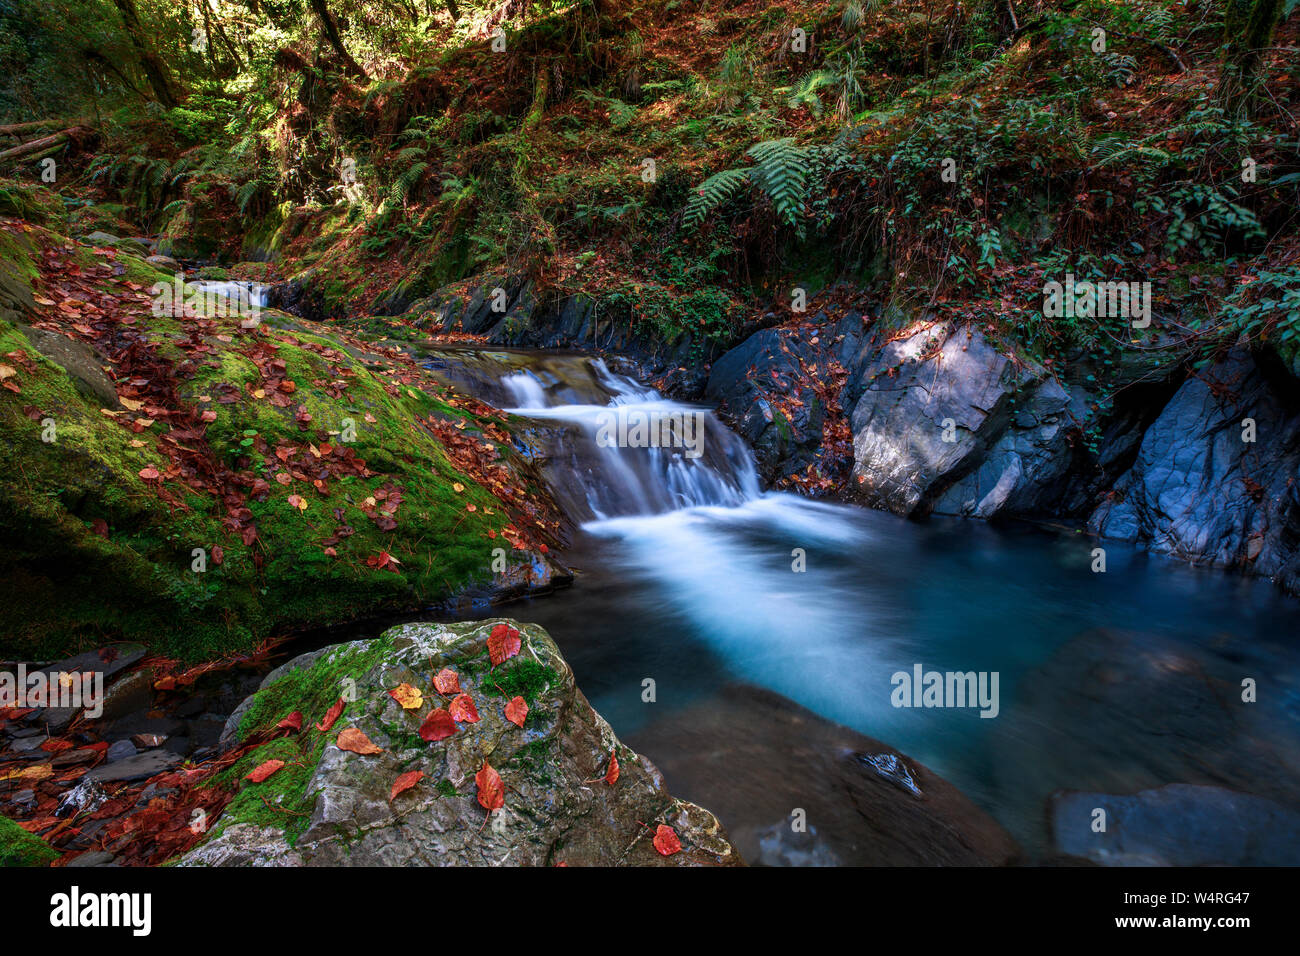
(689, 577)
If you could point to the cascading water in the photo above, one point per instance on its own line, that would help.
(638, 453)
(696, 580)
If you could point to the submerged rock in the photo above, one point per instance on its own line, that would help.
(334, 807)
(1176, 825)
(793, 789)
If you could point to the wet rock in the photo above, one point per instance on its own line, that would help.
(722, 753)
(23, 798)
(1176, 825)
(120, 751)
(27, 744)
(92, 858)
(557, 806)
(781, 845)
(1197, 491)
(129, 694)
(148, 741)
(79, 360)
(771, 388)
(1116, 711)
(165, 263)
(140, 767)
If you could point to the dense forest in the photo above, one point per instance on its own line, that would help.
(988, 259)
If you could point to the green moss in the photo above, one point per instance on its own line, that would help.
(20, 848)
(281, 801)
(520, 677)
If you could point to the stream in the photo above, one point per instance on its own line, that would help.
(1114, 681)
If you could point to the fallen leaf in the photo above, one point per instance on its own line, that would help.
(405, 782)
(331, 715)
(149, 474)
(409, 697)
(354, 741)
(437, 726)
(517, 711)
(463, 711)
(611, 775)
(262, 771)
(447, 682)
(292, 722)
(666, 841)
(491, 792)
(503, 644)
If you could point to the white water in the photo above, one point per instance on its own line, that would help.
(619, 481)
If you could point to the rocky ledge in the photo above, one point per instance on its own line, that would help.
(405, 775)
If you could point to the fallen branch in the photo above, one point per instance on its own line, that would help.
(47, 144)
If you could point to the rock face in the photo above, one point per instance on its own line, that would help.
(947, 422)
(943, 421)
(784, 389)
(334, 808)
(1176, 825)
(1198, 491)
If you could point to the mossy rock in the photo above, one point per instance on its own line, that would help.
(331, 807)
(20, 848)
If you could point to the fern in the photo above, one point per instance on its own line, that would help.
(402, 187)
(711, 193)
(781, 171)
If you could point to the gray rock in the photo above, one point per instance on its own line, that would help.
(1197, 491)
(557, 806)
(140, 767)
(165, 263)
(1176, 825)
(120, 751)
(129, 694)
(92, 858)
(79, 360)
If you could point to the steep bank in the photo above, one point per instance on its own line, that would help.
(203, 467)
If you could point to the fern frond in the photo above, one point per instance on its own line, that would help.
(712, 193)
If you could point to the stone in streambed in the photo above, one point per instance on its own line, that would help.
(754, 757)
(1176, 825)
(330, 807)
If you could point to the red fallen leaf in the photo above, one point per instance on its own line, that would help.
(447, 682)
(100, 527)
(503, 644)
(463, 711)
(209, 416)
(405, 782)
(218, 554)
(292, 722)
(666, 841)
(611, 776)
(517, 711)
(149, 474)
(263, 771)
(491, 792)
(437, 726)
(354, 741)
(54, 746)
(331, 715)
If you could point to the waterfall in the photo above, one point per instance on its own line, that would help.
(632, 451)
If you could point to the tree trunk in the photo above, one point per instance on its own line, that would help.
(155, 70)
(44, 145)
(351, 66)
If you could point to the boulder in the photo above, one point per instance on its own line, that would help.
(79, 360)
(335, 807)
(948, 422)
(1201, 492)
(1176, 825)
